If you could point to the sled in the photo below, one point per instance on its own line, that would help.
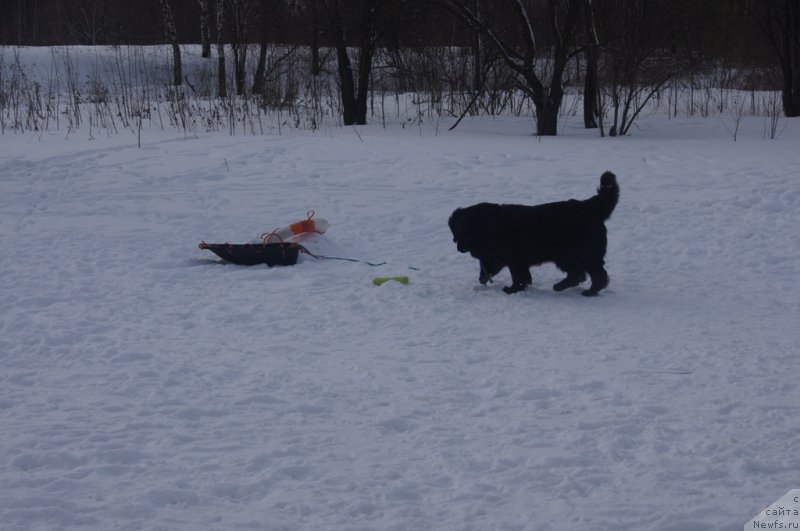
(272, 254)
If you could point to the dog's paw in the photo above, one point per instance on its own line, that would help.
(513, 288)
(561, 286)
(570, 282)
(590, 292)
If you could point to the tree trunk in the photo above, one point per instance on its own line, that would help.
(550, 104)
(239, 63)
(222, 87)
(205, 30)
(791, 94)
(316, 68)
(364, 70)
(546, 120)
(172, 37)
(590, 89)
(346, 85)
(261, 69)
(791, 59)
(590, 84)
(477, 54)
(365, 62)
(547, 113)
(240, 22)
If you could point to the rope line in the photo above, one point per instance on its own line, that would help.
(323, 257)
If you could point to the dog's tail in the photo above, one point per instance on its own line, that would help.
(607, 196)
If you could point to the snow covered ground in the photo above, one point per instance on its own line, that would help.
(146, 385)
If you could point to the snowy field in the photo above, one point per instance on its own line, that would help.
(147, 385)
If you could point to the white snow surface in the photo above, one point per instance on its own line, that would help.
(145, 384)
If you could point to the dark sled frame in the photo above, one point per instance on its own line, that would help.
(250, 254)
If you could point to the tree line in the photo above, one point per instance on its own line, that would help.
(619, 53)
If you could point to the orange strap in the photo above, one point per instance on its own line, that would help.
(307, 225)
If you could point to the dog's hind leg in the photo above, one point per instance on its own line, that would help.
(575, 276)
(520, 278)
(572, 280)
(599, 278)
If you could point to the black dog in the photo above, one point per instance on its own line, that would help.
(572, 234)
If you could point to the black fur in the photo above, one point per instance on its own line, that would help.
(572, 234)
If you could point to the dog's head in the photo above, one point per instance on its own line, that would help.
(459, 227)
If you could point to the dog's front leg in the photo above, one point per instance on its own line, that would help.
(520, 279)
(485, 274)
(488, 270)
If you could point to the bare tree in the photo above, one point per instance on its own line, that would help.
(172, 36)
(779, 20)
(85, 20)
(525, 56)
(23, 16)
(637, 62)
(310, 12)
(354, 91)
(242, 14)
